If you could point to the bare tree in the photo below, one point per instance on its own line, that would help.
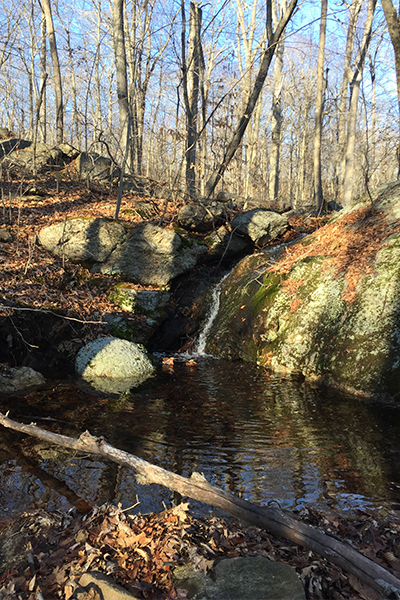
(121, 72)
(56, 71)
(319, 108)
(273, 39)
(352, 118)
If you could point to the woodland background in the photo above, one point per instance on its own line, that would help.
(173, 88)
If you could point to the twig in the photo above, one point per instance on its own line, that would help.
(50, 312)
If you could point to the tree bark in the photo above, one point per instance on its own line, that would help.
(393, 23)
(276, 521)
(273, 39)
(348, 180)
(191, 88)
(319, 108)
(121, 71)
(56, 71)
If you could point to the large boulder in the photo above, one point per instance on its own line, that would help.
(20, 154)
(152, 255)
(328, 307)
(91, 165)
(260, 225)
(81, 240)
(202, 216)
(113, 365)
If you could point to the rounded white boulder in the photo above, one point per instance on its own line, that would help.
(113, 365)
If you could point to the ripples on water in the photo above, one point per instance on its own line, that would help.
(257, 434)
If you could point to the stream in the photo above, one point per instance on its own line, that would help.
(255, 433)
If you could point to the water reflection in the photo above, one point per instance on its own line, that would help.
(260, 435)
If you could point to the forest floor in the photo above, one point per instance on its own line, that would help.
(139, 552)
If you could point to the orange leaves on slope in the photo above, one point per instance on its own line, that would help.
(350, 244)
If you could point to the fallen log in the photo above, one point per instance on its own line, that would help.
(270, 518)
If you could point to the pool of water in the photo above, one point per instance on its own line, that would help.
(257, 434)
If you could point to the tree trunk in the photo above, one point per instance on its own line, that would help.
(348, 181)
(56, 72)
(354, 11)
(273, 39)
(393, 23)
(275, 520)
(276, 124)
(191, 88)
(121, 72)
(319, 108)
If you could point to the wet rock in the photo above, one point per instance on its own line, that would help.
(80, 240)
(113, 365)
(19, 378)
(261, 226)
(243, 578)
(152, 255)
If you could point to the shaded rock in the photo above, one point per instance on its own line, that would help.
(243, 578)
(152, 255)
(113, 365)
(81, 239)
(149, 303)
(90, 165)
(227, 244)
(20, 378)
(202, 216)
(261, 226)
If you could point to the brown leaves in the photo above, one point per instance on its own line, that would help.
(350, 244)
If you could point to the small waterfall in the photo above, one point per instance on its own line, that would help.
(215, 301)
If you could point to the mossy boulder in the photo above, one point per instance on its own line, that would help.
(328, 308)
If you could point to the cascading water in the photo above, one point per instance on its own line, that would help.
(215, 301)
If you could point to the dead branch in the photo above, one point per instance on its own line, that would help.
(50, 312)
(272, 519)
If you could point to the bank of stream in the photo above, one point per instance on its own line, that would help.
(258, 434)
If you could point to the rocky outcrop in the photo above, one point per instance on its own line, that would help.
(328, 308)
(152, 255)
(82, 240)
(113, 365)
(260, 225)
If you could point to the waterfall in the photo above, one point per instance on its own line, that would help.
(215, 301)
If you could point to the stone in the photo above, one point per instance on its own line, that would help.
(223, 243)
(202, 216)
(152, 255)
(260, 225)
(5, 235)
(113, 365)
(242, 578)
(93, 581)
(20, 378)
(79, 240)
(90, 165)
(328, 323)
